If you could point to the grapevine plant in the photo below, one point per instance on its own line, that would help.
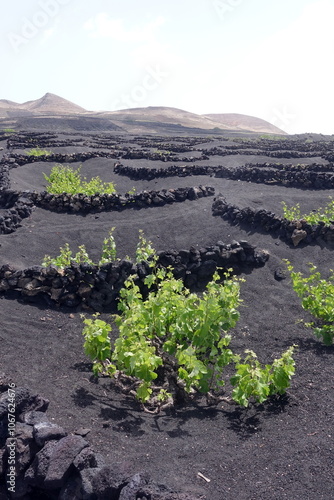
(317, 297)
(175, 343)
(144, 251)
(66, 257)
(173, 336)
(322, 214)
(64, 179)
(253, 380)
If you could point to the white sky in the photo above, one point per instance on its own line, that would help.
(268, 58)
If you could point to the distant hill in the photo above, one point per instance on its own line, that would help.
(162, 114)
(244, 122)
(173, 116)
(153, 119)
(51, 103)
(48, 104)
(4, 103)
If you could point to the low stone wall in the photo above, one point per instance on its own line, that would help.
(19, 206)
(249, 149)
(313, 167)
(300, 178)
(159, 156)
(329, 156)
(144, 173)
(292, 232)
(228, 151)
(288, 154)
(39, 459)
(105, 202)
(4, 178)
(18, 159)
(29, 139)
(98, 287)
(21, 159)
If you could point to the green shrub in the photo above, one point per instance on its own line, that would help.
(39, 152)
(97, 343)
(144, 251)
(175, 343)
(252, 381)
(291, 213)
(317, 297)
(64, 179)
(173, 332)
(109, 251)
(66, 257)
(325, 214)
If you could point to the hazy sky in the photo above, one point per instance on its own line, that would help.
(268, 58)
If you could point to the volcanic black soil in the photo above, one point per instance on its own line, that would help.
(282, 449)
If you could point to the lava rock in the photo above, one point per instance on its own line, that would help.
(280, 274)
(100, 484)
(61, 458)
(46, 431)
(36, 473)
(297, 236)
(88, 459)
(207, 269)
(134, 486)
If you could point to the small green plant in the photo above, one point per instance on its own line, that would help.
(162, 152)
(64, 179)
(317, 297)
(82, 256)
(325, 214)
(39, 152)
(9, 131)
(109, 251)
(63, 260)
(66, 257)
(291, 213)
(96, 185)
(97, 344)
(255, 382)
(145, 249)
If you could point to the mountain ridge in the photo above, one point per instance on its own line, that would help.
(137, 119)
